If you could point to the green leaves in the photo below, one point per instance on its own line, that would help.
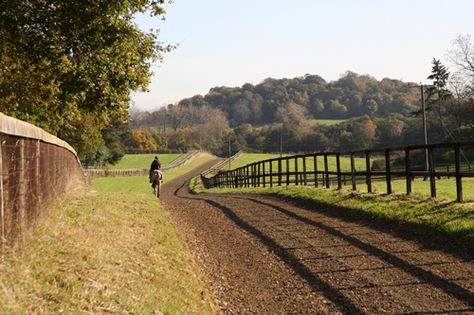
(64, 61)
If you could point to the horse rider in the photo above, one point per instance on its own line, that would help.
(155, 165)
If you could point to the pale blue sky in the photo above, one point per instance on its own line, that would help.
(223, 42)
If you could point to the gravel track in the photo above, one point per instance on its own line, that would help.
(264, 255)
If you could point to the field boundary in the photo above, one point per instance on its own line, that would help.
(102, 172)
(266, 173)
(220, 166)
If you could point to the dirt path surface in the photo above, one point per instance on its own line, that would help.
(264, 255)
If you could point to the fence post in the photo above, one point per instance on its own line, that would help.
(353, 177)
(315, 162)
(259, 173)
(296, 171)
(263, 173)
(368, 176)
(407, 170)
(432, 172)
(305, 179)
(271, 173)
(279, 172)
(338, 170)
(37, 175)
(254, 173)
(287, 171)
(388, 175)
(326, 170)
(457, 161)
(22, 188)
(247, 176)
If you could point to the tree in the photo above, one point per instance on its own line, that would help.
(461, 57)
(372, 107)
(69, 63)
(438, 94)
(291, 114)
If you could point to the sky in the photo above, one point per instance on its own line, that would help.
(230, 43)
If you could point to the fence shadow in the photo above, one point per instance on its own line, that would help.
(426, 276)
(285, 255)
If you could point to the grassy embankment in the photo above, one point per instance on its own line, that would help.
(442, 216)
(106, 249)
(130, 161)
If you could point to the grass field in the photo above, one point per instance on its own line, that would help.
(106, 249)
(130, 161)
(453, 220)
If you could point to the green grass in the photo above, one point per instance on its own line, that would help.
(445, 188)
(326, 122)
(130, 161)
(453, 220)
(188, 166)
(112, 249)
(133, 185)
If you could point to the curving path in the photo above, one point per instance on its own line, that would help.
(265, 255)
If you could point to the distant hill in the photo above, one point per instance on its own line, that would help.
(310, 96)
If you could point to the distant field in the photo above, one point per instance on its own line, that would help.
(326, 122)
(142, 160)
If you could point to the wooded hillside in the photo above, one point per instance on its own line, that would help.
(309, 96)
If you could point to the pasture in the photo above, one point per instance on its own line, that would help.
(131, 161)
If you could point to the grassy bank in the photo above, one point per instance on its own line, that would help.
(130, 161)
(110, 249)
(452, 220)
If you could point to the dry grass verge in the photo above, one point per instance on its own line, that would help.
(103, 252)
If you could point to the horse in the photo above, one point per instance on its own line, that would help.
(157, 181)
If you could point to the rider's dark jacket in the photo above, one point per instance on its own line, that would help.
(155, 165)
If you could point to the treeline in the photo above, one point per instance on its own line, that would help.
(282, 114)
(308, 97)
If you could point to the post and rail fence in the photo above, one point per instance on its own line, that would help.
(102, 172)
(373, 165)
(35, 168)
(222, 165)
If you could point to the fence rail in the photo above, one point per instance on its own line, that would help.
(35, 168)
(100, 172)
(376, 164)
(222, 165)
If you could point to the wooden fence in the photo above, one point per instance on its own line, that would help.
(101, 172)
(377, 164)
(222, 165)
